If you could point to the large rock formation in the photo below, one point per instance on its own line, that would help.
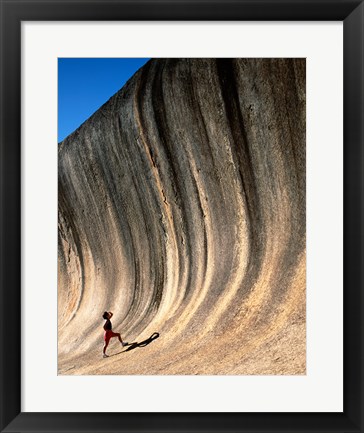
(182, 210)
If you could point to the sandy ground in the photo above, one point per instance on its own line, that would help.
(285, 354)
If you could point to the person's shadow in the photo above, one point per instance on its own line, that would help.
(144, 343)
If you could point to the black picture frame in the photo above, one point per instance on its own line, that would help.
(13, 12)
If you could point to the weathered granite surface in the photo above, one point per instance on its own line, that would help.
(182, 210)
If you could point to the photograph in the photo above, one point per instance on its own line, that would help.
(181, 212)
(181, 216)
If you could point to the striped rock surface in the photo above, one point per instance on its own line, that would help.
(182, 210)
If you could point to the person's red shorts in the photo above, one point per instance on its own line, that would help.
(108, 335)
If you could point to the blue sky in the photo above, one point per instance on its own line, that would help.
(85, 84)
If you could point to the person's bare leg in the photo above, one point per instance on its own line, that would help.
(117, 334)
(105, 346)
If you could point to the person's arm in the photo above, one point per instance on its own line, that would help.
(111, 314)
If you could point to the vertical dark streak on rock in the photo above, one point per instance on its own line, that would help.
(241, 149)
(165, 142)
(299, 73)
(71, 234)
(157, 241)
(204, 142)
(288, 113)
(125, 229)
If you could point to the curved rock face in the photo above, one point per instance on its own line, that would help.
(182, 210)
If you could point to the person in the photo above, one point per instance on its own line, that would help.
(109, 332)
